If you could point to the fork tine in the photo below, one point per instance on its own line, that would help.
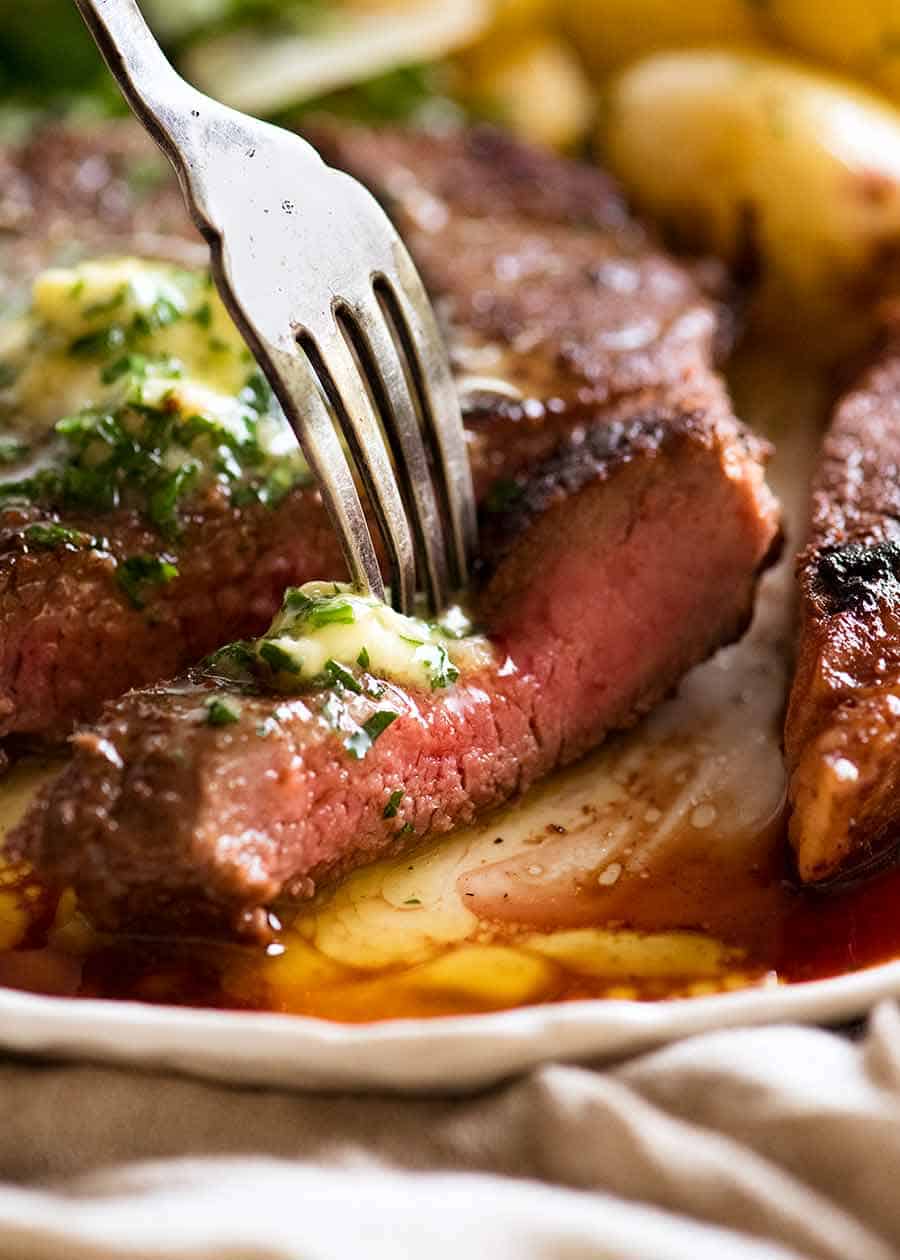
(307, 411)
(333, 361)
(397, 398)
(411, 310)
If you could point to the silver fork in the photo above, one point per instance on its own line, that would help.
(329, 302)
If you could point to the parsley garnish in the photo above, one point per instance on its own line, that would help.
(12, 449)
(363, 659)
(233, 659)
(277, 659)
(362, 739)
(49, 537)
(222, 712)
(203, 315)
(503, 494)
(318, 611)
(138, 572)
(340, 675)
(390, 810)
(441, 670)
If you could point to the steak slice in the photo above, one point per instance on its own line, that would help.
(625, 558)
(842, 735)
(548, 289)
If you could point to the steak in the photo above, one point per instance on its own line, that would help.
(561, 312)
(617, 563)
(842, 735)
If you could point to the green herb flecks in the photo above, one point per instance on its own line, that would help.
(318, 610)
(363, 659)
(340, 675)
(277, 659)
(162, 312)
(390, 810)
(440, 669)
(202, 315)
(151, 458)
(222, 712)
(235, 660)
(142, 571)
(50, 537)
(12, 450)
(361, 740)
(503, 495)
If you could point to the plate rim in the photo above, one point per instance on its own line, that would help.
(446, 1054)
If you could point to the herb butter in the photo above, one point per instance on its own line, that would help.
(127, 384)
(326, 632)
(326, 635)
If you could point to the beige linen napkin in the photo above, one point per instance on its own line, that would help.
(776, 1143)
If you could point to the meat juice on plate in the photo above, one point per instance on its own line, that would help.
(653, 869)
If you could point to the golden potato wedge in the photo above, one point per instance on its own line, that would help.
(534, 84)
(860, 36)
(740, 153)
(521, 14)
(610, 33)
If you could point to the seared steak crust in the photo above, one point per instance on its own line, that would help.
(543, 280)
(843, 726)
(631, 554)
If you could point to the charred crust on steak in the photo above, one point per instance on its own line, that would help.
(858, 578)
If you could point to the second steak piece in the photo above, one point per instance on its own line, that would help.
(842, 736)
(619, 563)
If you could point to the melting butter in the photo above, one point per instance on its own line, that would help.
(324, 630)
(85, 319)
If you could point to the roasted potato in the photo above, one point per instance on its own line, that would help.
(860, 36)
(610, 33)
(534, 84)
(745, 154)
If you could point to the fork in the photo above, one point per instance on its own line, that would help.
(323, 290)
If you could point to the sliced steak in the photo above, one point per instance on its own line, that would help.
(842, 735)
(543, 279)
(624, 559)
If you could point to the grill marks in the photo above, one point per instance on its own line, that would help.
(842, 736)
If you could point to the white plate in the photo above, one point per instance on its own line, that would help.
(449, 1054)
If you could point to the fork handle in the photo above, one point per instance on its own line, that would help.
(150, 84)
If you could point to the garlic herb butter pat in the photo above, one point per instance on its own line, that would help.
(324, 632)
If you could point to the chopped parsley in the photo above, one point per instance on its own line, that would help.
(363, 659)
(438, 665)
(161, 313)
(390, 810)
(503, 495)
(339, 675)
(50, 537)
(361, 740)
(221, 712)
(277, 659)
(122, 457)
(202, 315)
(12, 450)
(233, 660)
(319, 610)
(143, 570)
